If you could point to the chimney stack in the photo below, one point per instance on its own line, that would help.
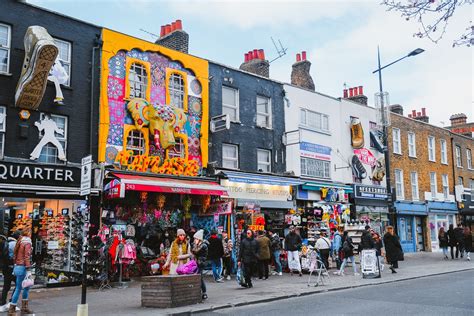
(173, 36)
(420, 116)
(356, 94)
(458, 119)
(300, 72)
(397, 108)
(256, 63)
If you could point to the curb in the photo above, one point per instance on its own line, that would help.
(276, 298)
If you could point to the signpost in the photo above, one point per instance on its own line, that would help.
(369, 264)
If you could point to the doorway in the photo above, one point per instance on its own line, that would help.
(420, 240)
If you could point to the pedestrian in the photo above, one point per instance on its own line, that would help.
(264, 255)
(443, 242)
(292, 246)
(459, 235)
(200, 251)
(227, 258)
(467, 243)
(216, 251)
(323, 244)
(180, 252)
(22, 266)
(248, 257)
(7, 249)
(366, 240)
(378, 244)
(275, 248)
(393, 248)
(452, 241)
(348, 253)
(336, 246)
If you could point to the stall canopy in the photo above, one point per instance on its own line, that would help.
(126, 182)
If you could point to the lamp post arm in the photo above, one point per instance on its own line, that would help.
(396, 61)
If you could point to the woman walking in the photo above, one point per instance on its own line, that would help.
(180, 252)
(393, 248)
(452, 240)
(443, 242)
(200, 250)
(22, 261)
(348, 252)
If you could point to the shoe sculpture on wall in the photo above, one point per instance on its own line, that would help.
(358, 169)
(40, 54)
(357, 133)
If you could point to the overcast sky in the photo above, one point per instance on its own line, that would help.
(341, 39)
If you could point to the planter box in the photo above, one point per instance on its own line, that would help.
(167, 291)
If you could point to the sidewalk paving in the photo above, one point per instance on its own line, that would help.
(63, 301)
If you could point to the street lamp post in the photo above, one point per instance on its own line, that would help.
(391, 209)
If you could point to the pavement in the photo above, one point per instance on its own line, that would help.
(63, 301)
(444, 294)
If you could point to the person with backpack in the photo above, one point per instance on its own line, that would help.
(336, 246)
(348, 253)
(216, 252)
(8, 247)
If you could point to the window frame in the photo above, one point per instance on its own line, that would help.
(183, 75)
(414, 186)
(325, 164)
(268, 115)
(432, 149)
(184, 144)
(235, 159)
(323, 118)
(469, 158)
(445, 184)
(433, 185)
(411, 152)
(60, 138)
(3, 129)
(444, 151)
(67, 62)
(457, 153)
(7, 48)
(265, 163)
(129, 61)
(399, 182)
(397, 140)
(235, 108)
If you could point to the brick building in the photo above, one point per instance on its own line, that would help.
(422, 175)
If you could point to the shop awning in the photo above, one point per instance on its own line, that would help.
(126, 182)
(317, 186)
(252, 178)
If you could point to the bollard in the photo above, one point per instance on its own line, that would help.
(82, 310)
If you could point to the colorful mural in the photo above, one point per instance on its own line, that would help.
(154, 107)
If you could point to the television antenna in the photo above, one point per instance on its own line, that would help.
(150, 33)
(281, 51)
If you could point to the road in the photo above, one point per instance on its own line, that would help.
(447, 294)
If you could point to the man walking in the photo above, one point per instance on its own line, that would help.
(366, 240)
(336, 246)
(275, 248)
(292, 246)
(323, 244)
(216, 251)
(227, 258)
(248, 256)
(263, 255)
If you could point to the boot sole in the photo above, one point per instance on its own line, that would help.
(33, 84)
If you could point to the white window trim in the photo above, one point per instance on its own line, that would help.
(269, 114)
(235, 107)
(134, 78)
(458, 156)
(7, 48)
(414, 186)
(315, 176)
(401, 194)
(444, 178)
(410, 153)
(397, 139)
(230, 158)
(444, 154)
(435, 196)
(312, 128)
(68, 62)
(266, 163)
(176, 91)
(469, 158)
(59, 138)
(3, 130)
(434, 148)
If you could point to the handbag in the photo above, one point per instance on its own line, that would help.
(28, 281)
(188, 268)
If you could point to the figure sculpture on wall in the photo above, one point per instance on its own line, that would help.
(58, 76)
(49, 127)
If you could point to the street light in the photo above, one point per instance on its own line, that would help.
(391, 210)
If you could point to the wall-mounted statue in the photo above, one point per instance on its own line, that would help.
(49, 128)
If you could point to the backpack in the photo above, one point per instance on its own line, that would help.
(4, 251)
(346, 246)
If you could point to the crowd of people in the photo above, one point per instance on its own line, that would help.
(458, 238)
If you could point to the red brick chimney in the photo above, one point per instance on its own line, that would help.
(173, 36)
(255, 62)
(300, 72)
(420, 116)
(458, 119)
(356, 94)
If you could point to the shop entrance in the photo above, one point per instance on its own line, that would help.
(406, 233)
(420, 240)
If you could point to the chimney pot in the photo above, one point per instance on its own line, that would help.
(261, 54)
(423, 111)
(167, 29)
(255, 53)
(298, 57)
(303, 55)
(345, 93)
(173, 26)
(413, 113)
(246, 57)
(179, 25)
(361, 90)
(351, 92)
(418, 114)
(356, 91)
(163, 30)
(250, 55)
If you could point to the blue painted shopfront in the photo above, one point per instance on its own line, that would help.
(440, 214)
(411, 217)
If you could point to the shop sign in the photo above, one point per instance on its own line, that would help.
(315, 151)
(248, 191)
(257, 227)
(86, 171)
(370, 192)
(365, 156)
(15, 173)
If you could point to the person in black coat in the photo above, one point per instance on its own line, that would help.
(459, 235)
(248, 256)
(452, 241)
(366, 240)
(393, 248)
(467, 242)
(216, 252)
(443, 241)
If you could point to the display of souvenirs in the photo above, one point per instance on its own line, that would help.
(22, 224)
(77, 235)
(55, 232)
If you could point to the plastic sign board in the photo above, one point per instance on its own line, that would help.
(86, 175)
(315, 151)
(369, 264)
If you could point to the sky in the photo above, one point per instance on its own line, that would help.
(340, 37)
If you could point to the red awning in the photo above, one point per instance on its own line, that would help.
(153, 184)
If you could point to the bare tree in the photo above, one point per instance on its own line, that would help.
(433, 16)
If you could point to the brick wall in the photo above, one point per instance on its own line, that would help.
(466, 173)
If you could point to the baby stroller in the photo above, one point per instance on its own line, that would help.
(315, 264)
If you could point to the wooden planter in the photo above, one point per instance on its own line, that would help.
(167, 291)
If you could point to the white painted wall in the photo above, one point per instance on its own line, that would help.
(339, 138)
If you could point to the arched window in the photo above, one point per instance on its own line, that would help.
(136, 142)
(138, 81)
(178, 150)
(176, 90)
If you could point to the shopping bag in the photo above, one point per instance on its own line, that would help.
(28, 281)
(240, 277)
(188, 268)
(293, 264)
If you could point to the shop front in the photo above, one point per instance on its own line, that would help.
(464, 196)
(440, 214)
(370, 205)
(412, 220)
